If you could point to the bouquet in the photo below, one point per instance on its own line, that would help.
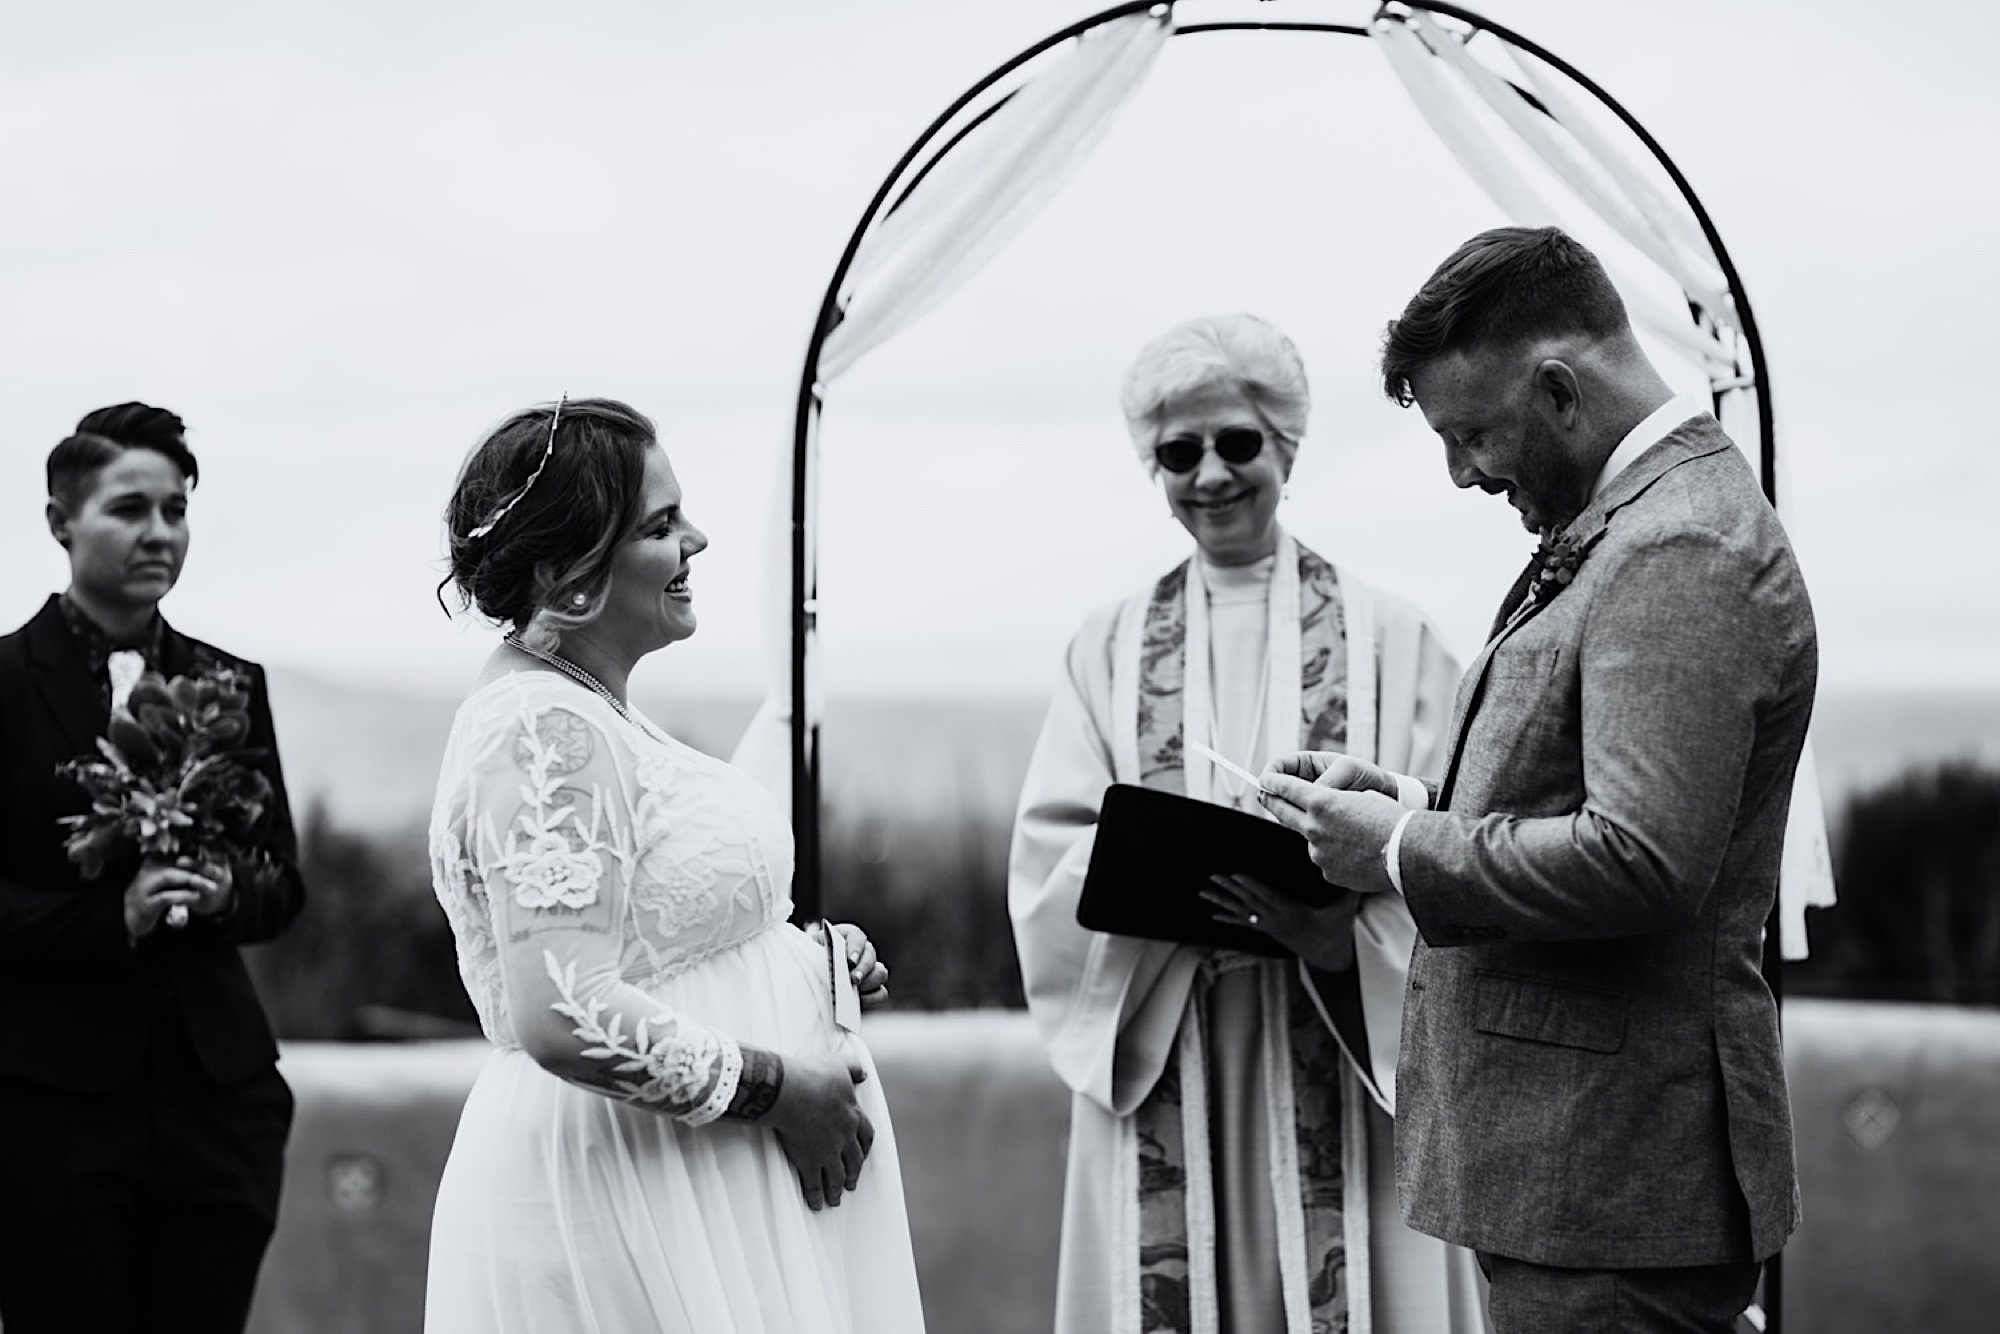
(171, 778)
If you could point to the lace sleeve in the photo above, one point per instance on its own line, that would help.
(554, 851)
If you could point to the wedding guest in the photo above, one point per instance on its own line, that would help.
(142, 1116)
(1593, 1086)
(675, 1103)
(1229, 1159)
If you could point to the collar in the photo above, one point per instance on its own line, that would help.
(98, 646)
(1656, 427)
(1237, 583)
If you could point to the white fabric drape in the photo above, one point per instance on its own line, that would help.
(1805, 877)
(1445, 110)
(969, 206)
(1425, 55)
(1693, 268)
(765, 749)
(976, 199)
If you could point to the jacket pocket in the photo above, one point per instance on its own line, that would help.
(1518, 664)
(1553, 1012)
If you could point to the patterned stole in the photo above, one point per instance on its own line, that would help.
(1303, 1074)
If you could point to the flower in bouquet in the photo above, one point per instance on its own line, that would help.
(172, 778)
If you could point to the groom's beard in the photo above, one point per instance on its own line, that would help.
(1550, 486)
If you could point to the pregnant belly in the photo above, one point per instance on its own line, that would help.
(771, 991)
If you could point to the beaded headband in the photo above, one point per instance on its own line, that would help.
(547, 451)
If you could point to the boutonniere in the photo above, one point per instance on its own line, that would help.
(1559, 558)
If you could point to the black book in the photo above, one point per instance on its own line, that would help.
(1155, 852)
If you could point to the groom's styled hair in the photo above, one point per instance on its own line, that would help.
(105, 434)
(1502, 287)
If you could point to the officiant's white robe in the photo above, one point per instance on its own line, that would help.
(1129, 1022)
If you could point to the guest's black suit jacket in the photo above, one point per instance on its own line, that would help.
(79, 1001)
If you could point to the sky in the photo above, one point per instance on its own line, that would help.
(344, 240)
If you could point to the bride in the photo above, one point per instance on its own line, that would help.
(677, 1129)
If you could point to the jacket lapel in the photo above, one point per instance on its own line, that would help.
(1693, 439)
(62, 677)
(176, 652)
(1469, 690)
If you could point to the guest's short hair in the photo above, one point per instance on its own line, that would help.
(105, 434)
(559, 537)
(1501, 288)
(1242, 351)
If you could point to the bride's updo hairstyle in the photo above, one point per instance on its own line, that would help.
(1232, 351)
(542, 567)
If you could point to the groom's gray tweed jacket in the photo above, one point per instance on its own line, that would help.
(1591, 1073)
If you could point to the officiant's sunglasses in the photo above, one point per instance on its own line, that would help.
(1236, 444)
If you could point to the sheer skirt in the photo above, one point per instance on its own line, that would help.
(561, 1209)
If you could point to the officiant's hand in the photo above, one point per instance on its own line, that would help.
(1323, 937)
(1345, 809)
(158, 887)
(821, 1126)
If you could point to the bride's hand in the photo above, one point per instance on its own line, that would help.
(870, 974)
(821, 1126)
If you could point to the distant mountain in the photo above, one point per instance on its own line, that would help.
(371, 755)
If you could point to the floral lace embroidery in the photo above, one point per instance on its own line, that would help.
(550, 866)
(534, 817)
(691, 849)
(680, 875)
(461, 893)
(677, 1068)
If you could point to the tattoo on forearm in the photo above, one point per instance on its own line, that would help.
(757, 1088)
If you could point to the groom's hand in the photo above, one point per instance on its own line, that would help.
(1330, 768)
(1345, 809)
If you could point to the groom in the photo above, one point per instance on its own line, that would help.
(1591, 1090)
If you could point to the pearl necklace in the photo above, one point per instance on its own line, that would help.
(584, 679)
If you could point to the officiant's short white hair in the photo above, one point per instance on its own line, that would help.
(1240, 350)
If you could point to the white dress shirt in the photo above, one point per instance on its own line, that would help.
(1658, 425)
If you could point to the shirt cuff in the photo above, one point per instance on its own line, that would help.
(1412, 793)
(1392, 851)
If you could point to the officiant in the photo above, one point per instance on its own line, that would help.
(142, 1116)
(1230, 1158)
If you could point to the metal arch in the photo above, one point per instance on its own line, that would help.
(805, 769)
(805, 425)
(1767, 446)
(804, 751)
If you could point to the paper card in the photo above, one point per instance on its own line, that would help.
(840, 978)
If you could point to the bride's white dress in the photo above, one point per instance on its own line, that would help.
(619, 902)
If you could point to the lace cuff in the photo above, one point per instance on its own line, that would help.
(729, 1072)
(661, 1060)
